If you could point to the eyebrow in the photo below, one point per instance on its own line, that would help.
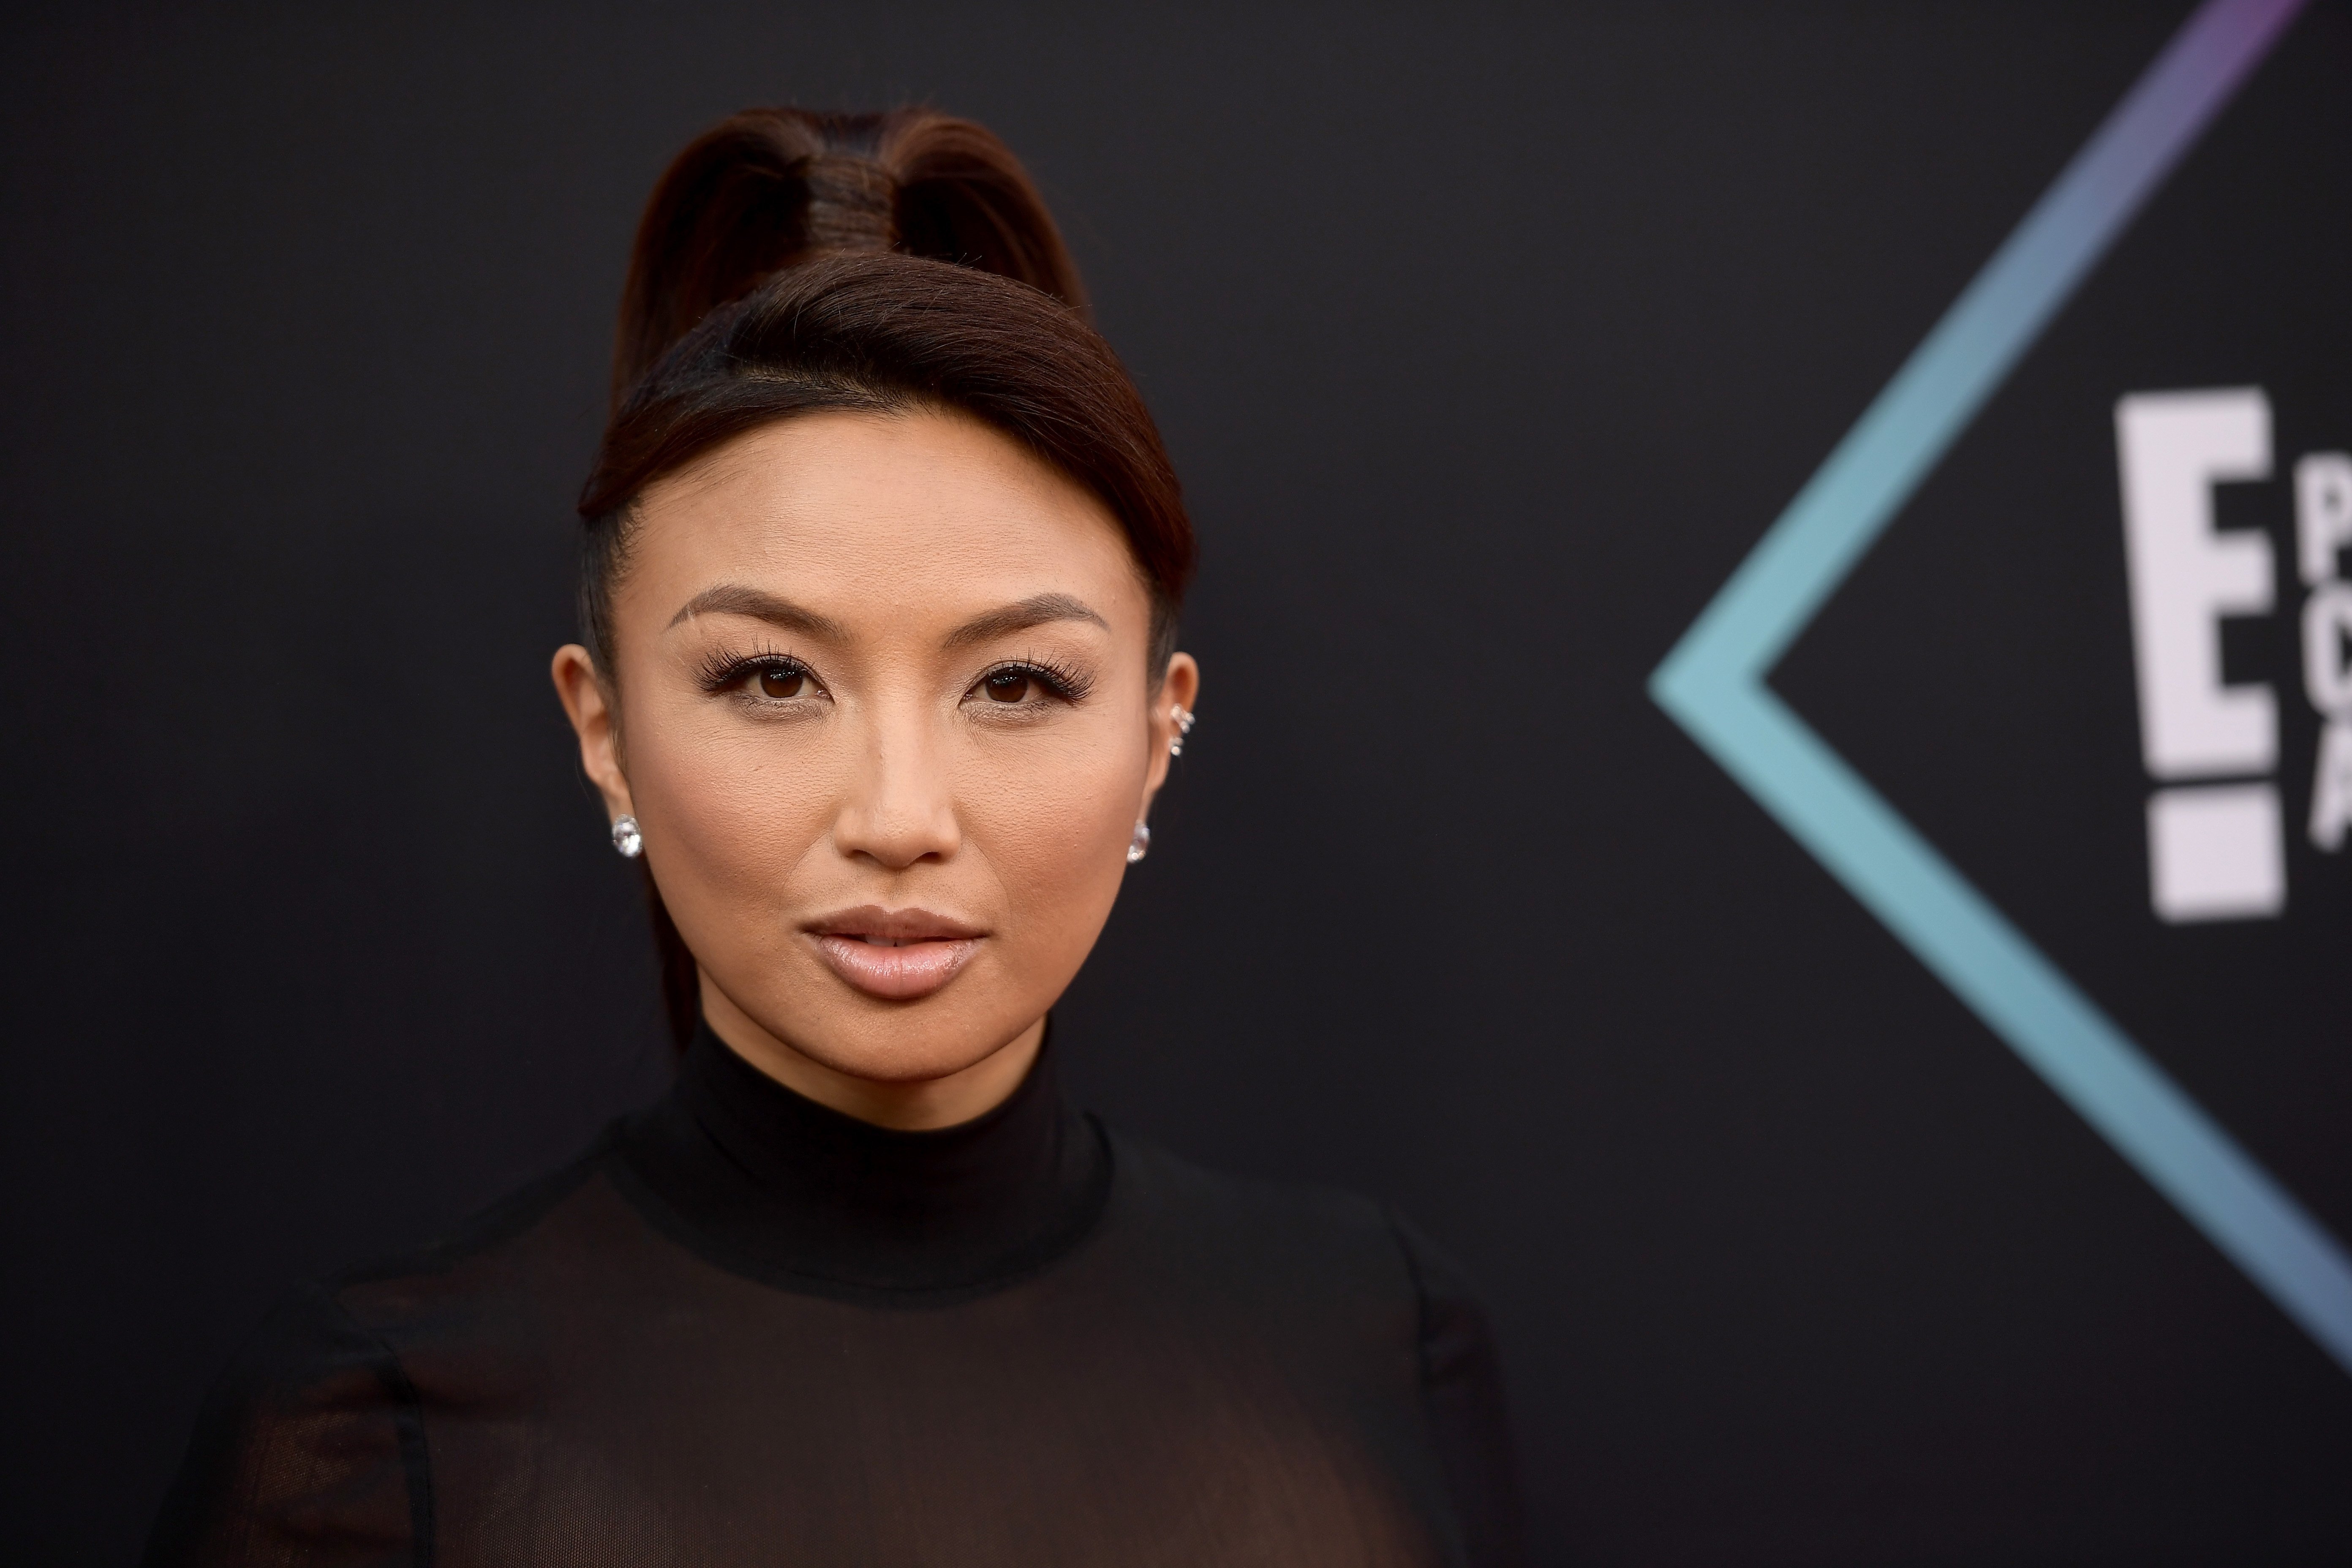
(734, 599)
(1034, 611)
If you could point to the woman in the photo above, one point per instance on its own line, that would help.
(877, 680)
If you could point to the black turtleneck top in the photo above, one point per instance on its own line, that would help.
(745, 1329)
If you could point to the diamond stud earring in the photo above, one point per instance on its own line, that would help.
(626, 839)
(1140, 844)
(1184, 717)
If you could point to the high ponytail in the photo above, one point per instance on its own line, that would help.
(790, 262)
(768, 188)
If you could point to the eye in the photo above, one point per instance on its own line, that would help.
(1030, 686)
(763, 677)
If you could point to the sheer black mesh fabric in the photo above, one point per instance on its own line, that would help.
(745, 1329)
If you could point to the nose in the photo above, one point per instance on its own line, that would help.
(899, 809)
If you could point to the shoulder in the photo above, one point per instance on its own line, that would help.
(315, 1429)
(503, 1222)
(1315, 1226)
(323, 1329)
(312, 1430)
(1173, 1194)
(1322, 1246)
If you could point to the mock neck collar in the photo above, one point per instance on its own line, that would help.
(778, 1185)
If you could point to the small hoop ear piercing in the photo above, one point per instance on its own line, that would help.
(626, 839)
(1140, 844)
(1183, 718)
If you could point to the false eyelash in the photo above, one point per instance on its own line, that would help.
(722, 667)
(1069, 685)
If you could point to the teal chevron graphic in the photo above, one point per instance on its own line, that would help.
(1713, 684)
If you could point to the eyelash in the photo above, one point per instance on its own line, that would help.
(1069, 685)
(722, 667)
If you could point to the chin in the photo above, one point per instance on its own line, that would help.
(908, 1042)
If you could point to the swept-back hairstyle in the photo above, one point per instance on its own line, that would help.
(791, 262)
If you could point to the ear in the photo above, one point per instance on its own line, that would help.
(1181, 687)
(589, 705)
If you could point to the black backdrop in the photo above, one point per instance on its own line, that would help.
(1488, 340)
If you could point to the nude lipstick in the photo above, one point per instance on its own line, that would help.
(898, 955)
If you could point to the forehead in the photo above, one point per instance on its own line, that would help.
(919, 514)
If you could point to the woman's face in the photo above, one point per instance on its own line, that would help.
(885, 721)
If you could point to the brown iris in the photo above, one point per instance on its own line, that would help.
(1006, 686)
(780, 682)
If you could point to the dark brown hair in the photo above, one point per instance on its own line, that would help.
(791, 262)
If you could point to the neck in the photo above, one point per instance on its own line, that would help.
(907, 1105)
(773, 1184)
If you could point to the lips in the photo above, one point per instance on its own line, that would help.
(898, 955)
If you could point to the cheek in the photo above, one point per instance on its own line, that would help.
(729, 813)
(1054, 824)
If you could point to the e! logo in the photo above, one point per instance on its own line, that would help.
(2217, 850)
(2323, 526)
